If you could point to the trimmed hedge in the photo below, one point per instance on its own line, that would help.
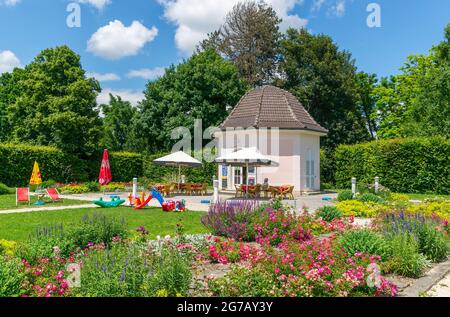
(125, 166)
(411, 165)
(16, 161)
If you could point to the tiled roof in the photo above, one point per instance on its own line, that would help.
(271, 107)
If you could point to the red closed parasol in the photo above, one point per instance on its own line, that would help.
(105, 177)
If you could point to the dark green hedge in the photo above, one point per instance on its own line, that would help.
(16, 164)
(125, 166)
(412, 165)
(16, 161)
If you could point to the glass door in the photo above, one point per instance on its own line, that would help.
(310, 170)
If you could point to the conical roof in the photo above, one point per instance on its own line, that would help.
(271, 107)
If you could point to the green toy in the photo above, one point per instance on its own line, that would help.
(115, 202)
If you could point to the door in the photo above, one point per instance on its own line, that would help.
(310, 170)
(240, 175)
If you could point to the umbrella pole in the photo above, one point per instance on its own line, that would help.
(179, 177)
(246, 176)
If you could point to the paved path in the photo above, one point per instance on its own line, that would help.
(24, 210)
(194, 203)
(441, 289)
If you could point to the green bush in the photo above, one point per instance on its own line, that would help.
(96, 229)
(329, 213)
(365, 241)
(4, 190)
(127, 271)
(18, 159)
(11, 277)
(404, 165)
(433, 243)
(92, 187)
(406, 260)
(345, 195)
(369, 197)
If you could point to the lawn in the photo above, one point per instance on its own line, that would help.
(17, 227)
(425, 196)
(9, 202)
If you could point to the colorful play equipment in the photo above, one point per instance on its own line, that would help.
(115, 202)
(140, 202)
(171, 205)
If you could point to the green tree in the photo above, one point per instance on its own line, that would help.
(250, 39)
(417, 102)
(53, 103)
(203, 87)
(323, 78)
(366, 84)
(117, 123)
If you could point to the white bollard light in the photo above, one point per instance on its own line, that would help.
(135, 187)
(216, 191)
(377, 184)
(354, 185)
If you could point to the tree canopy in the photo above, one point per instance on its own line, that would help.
(51, 102)
(417, 101)
(203, 87)
(250, 39)
(117, 121)
(323, 78)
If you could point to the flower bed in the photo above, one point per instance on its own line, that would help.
(267, 250)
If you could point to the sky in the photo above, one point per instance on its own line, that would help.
(126, 43)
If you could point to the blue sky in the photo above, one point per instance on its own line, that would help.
(125, 43)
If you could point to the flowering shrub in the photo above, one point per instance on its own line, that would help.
(7, 247)
(429, 232)
(439, 208)
(232, 219)
(226, 251)
(310, 268)
(278, 226)
(360, 209)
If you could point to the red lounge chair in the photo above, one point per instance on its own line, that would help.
(22, 195)
(53, 194)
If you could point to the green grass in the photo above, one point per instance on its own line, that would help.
(411, 196)
(9, 202)
(17, 227)
(425, 196)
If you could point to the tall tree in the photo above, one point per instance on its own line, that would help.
(203, 87)
(118, 116)
(53, 103)
(417, 102)
(250, 39)
(324, 80)
(366, 84)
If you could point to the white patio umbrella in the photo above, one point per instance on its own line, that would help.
(246, 157)
(178, 159)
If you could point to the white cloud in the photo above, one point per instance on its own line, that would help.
(317, 5)
(8, 61)
(147, 73)
(104, 77)
(196, 18)
(99, 4)
(338, 9)
(9, 3)
(133, 96)
(115, 40)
